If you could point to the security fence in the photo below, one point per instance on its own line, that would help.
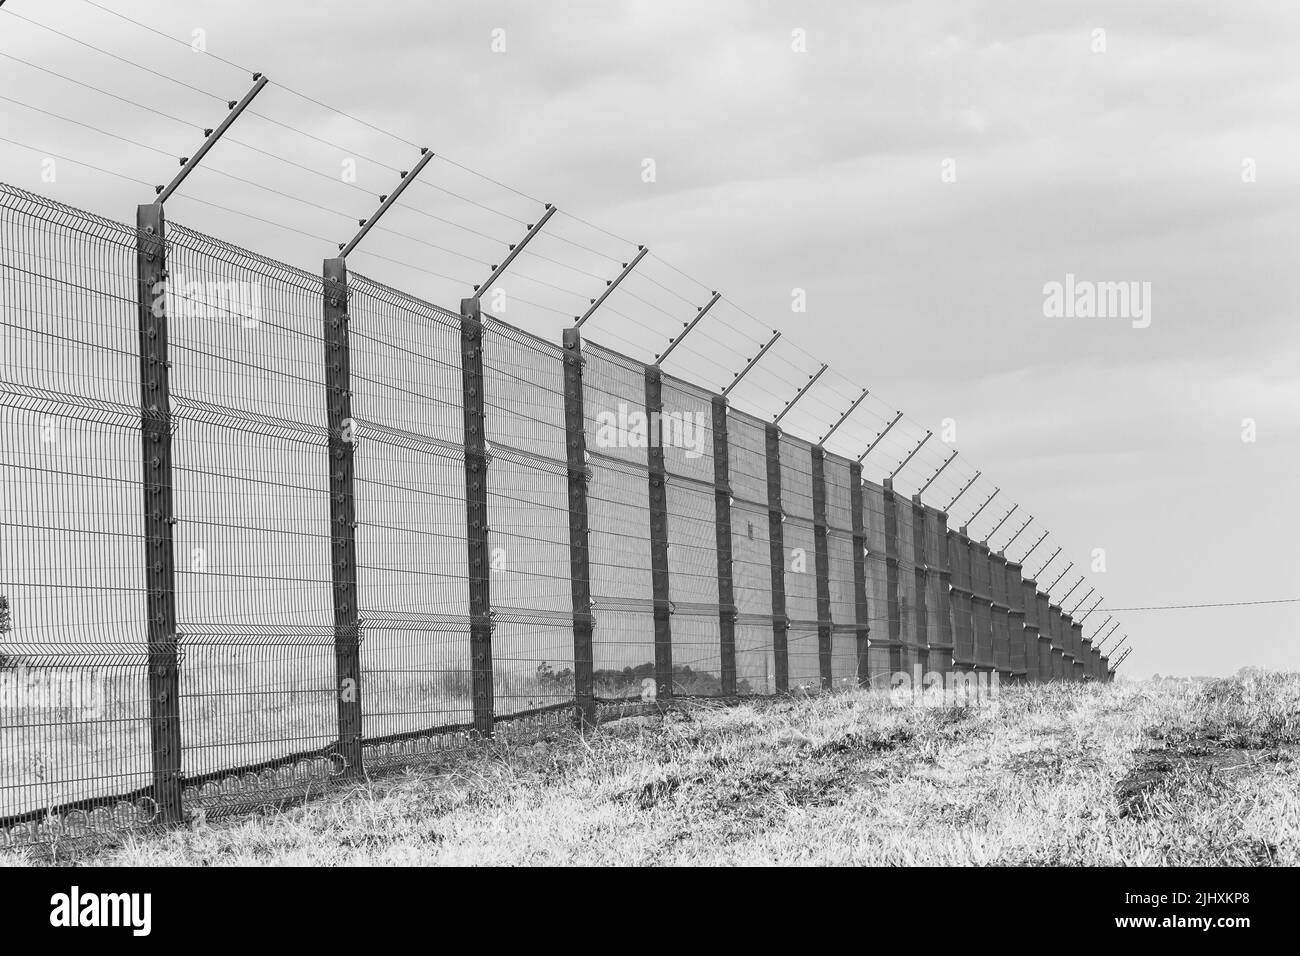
(264, 529)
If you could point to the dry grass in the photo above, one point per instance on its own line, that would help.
(1164, 773)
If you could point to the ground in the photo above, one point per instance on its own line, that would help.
(1165, 772)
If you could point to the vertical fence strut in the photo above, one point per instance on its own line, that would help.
(821, 549)
(575, 434)
(610, 286)
(476, 514)
(658, 478)
(1019, 532)
(159, 517)
(894, 611)
(343, 520)
(727, 610)
(776, 552)
(861, 610)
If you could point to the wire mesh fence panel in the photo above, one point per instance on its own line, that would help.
(73, 691)
(1000, 620)
(963, 631)
(911, 622)
(879, 665)
(982, 605)
(843, 595)
(751, 555)
(528, 518)
(687, 436)
(250, 481)
(800, 556)
(410, 513)
(623, 643)
(939, 618)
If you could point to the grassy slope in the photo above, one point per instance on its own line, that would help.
(1168, 773)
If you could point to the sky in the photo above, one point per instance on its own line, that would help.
(914, 175)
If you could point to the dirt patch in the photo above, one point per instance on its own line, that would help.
(1143, 792)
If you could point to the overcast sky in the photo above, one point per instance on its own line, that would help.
(921, 172)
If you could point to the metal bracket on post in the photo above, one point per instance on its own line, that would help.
(1001, 522)
(910, 455)
(343, 521)
(948, 508)
(880, 435)
(189, 164)
(1047, 562)
(658, 500)
(1012, 539)
(579, 545)
(1075, 610)
(861, 610)
(969, 521)
(939, 471)
(1064, 572)
(159, 517)
(386, 203)
(701, 313)
(812, 380)
(841, 420)
(476, 515)
(1109, 618)
(751, 363)
(610, 286)
(822, 558)
(515, 249)
(727, 611)
(1034, 547)
(776, 553)
(1067, 594)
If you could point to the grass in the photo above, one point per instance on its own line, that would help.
(1160, 773)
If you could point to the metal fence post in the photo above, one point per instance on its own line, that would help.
(963, 632)
(476, 515)
(938, 569)
(897, 664)
(776, 550)
(861, 609)
(575, 428)
(343, 521)
(654, 407)
(821, 550)
(922, 614)
(727, 610)
(160, 571)
(1020, 645)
